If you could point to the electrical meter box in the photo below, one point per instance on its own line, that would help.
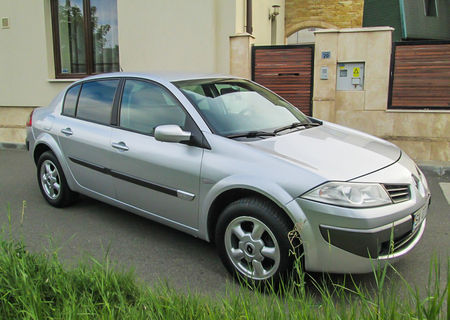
(350, 76)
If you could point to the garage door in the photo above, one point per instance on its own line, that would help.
(286, 70)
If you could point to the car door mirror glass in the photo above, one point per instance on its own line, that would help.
(171, 133)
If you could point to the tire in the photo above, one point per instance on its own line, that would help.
(252, 242)
(52, 182)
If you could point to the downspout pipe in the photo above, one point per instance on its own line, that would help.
(403, 20)
(249, 26)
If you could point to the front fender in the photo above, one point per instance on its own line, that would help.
(266, 188)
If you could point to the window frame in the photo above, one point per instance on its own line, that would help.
(118, 87)
(117, 98)
(88, 42)
(80, 85)
(179, 83)
(197, 138)
(429, 10)
(190, 123)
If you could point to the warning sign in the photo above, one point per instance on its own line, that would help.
(356, 72)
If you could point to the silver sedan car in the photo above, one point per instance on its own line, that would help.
(229, 161)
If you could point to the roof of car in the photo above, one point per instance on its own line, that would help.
(162, 76)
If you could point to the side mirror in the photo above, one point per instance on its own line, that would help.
(171, 133)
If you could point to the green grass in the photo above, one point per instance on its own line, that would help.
(37, 286)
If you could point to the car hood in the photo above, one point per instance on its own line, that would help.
(331, 151)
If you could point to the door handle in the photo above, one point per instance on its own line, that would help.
(120, 145)
(67, 131)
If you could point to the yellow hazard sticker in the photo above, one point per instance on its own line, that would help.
(356, 71)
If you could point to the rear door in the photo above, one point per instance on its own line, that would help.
(84, 133)
(161, 178)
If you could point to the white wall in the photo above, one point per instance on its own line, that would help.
(262, 24)
(25, 54)
(225, 16)
(175, 35)
(153, 35)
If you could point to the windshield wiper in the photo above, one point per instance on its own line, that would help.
(251, 134)
(296, 125)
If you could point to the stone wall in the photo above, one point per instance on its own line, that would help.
(302, 14)
(424, 135)
(12, 124)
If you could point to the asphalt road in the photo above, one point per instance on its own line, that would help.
(90, 229)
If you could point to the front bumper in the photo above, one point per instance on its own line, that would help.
(350, 243)
(355, 240)
(381, 242)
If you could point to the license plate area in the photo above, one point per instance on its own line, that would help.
(419, 216)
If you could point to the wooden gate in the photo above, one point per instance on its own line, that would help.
(420, 75)
(287, 71)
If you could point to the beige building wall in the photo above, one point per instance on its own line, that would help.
(424, 135)
(157, 35)
(26, 67)
(240, 53)
(178, 35)
(302, 14)
(241, 43)
(262, 26)
(261, 23)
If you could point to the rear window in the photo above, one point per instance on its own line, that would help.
(96, 101)
(70, 102)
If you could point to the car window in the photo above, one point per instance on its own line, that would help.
(146, 105)
(96, 100)
(235, 106)
(70, 101)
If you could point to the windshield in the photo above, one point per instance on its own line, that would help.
(232, 106)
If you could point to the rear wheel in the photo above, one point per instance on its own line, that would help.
(52, 182)
(252, 240)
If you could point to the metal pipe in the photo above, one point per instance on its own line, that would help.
(249, 26)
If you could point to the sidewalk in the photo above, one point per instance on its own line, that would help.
(12, 146)
(441, 168)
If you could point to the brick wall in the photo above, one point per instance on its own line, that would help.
(302, 14)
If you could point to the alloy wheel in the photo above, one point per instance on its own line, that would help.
(252, 248)
(50, 179)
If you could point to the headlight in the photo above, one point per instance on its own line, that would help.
(423, 187)
(350, 194)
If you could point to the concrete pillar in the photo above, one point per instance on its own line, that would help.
(241, 55)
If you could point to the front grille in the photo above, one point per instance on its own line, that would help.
(398, 192)
(399, 242)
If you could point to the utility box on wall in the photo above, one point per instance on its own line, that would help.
(350, 76)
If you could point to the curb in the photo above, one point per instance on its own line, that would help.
(12, 146)
(441, 168)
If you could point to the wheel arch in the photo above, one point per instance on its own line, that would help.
(46, 142)
(233, 194)
(39, 150)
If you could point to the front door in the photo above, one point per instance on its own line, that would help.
(161, 178)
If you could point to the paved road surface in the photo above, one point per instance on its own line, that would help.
(156, 252)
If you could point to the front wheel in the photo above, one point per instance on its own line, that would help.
(252, 240)
(52, 182)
